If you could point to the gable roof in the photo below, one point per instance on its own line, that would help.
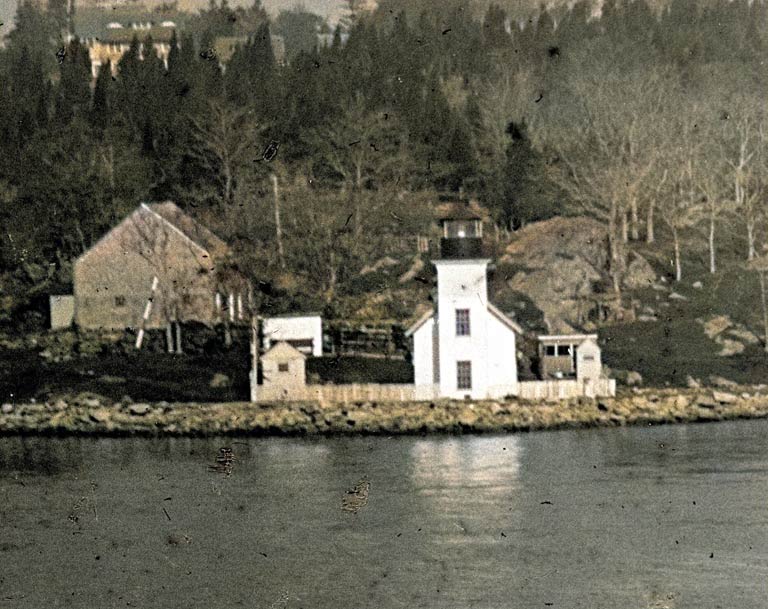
(191, 229)
(507, 321)
(420, 322)
(283, 350)
(492, 309)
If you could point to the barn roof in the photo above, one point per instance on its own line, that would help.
(191, 229)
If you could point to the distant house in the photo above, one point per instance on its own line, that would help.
(161, 264)
(116, 41)
(107, 28)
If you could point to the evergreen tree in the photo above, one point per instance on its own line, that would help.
(101, 107)
(527, 194)
(74, 93)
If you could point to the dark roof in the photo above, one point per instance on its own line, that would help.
(459, 210)
(91, 22)
(190, 228)
(127, 34)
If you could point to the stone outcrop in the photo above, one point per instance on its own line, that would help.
(638, 406)
(561, 260)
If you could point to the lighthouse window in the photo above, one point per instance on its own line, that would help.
(464, 375)
(462, 322)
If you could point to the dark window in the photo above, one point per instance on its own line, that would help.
(563, 350)
(282, 367)
(462, 322)
(119, 301)
(464, 375)
(549, 350)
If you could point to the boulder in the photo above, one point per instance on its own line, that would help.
(744, 335)
(416, 268)
(724, 397)
(647, 318)
(730, 347)
(220, 380)
(100, 415)
(697, 285)
(634, 378)
(139, 410)
(692, 383)
(719, 381)
(639, 274)
(716, 325)
(676, 296)
(379, 264)
(6, 408)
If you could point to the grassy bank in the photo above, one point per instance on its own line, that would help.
(88, 414)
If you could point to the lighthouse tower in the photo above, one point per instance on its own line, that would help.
(466, 348)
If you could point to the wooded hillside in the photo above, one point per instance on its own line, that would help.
(650, 122)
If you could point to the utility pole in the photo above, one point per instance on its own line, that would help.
(256, 340)
(278, 223)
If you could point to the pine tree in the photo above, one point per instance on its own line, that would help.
(101, 107)
(74, 93)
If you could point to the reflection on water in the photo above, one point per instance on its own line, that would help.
(448, 472)
(628, 518)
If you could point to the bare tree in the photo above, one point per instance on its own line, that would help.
(742, 145)
(222, 140)
(607, 149)
(365, 151)
(759, 264)
(178, 265)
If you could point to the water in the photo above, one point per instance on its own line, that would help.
(616, 518)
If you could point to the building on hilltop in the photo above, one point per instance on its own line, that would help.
(108, 32)
(156, 267)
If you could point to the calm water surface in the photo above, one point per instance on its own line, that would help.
(615, 518)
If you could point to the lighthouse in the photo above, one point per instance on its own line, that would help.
(465, 347)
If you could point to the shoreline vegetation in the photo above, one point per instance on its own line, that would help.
(88, 414)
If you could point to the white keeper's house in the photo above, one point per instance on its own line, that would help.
(466, 347)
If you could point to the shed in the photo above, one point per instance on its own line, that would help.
(284, 368)
(559, 354)
(589, 366)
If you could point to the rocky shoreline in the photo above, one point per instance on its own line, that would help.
(87, 414)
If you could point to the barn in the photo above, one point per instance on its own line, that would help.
(156, 267)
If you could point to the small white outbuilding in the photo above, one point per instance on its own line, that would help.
(301, 331)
